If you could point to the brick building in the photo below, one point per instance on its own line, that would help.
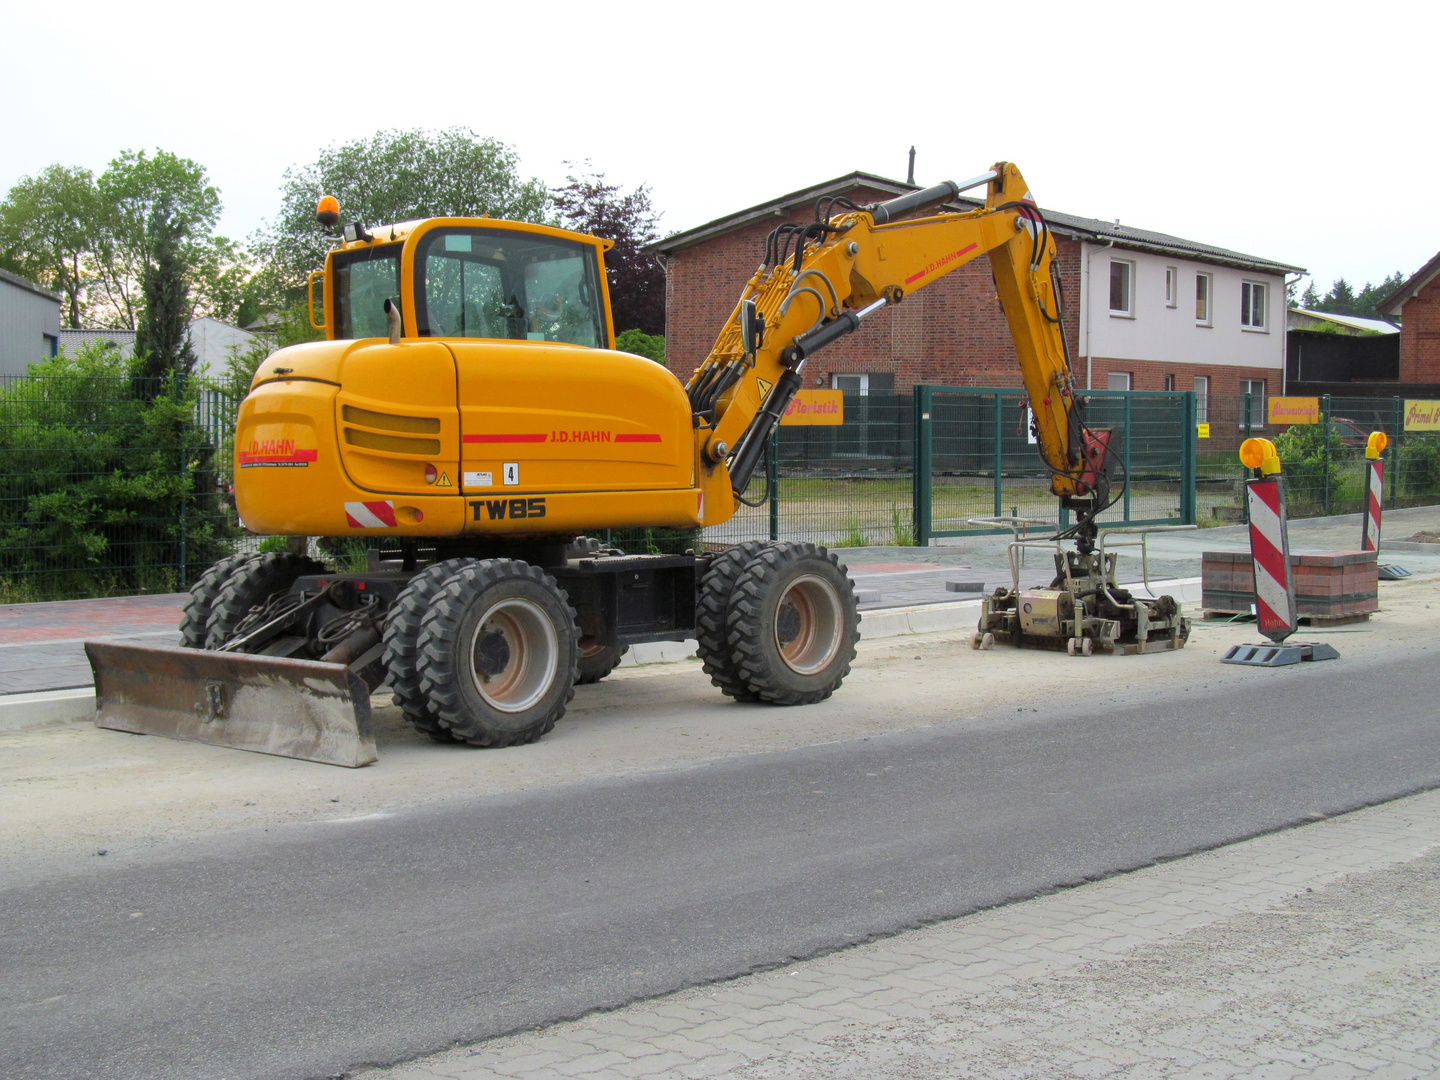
(1416, 304)
(1145, 311)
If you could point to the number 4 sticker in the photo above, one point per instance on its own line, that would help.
(512, 472)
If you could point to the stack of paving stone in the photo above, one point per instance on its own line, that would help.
(1330, 586)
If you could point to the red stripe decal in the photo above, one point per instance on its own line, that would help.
(527, 438)
(1267, 556)
(299, 455)
(1269, 494)
(1267, 619)
(944, 260)
(382, 510)
(636, 438)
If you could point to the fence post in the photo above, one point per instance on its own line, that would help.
(1125, 452)
(921, 485)
(1244, 473)
(1325, 449)
(999, 454)
(1394, 450)
(772, 481)
(179, 394)
(1188, 454)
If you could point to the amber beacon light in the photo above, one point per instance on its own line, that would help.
(327, 211)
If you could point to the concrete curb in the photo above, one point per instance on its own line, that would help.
(48, 708)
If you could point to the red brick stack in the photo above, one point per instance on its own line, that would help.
(1330, 586)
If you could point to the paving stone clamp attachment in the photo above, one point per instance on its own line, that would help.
(1274, 577)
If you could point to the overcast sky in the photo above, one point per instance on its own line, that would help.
(1300, 132)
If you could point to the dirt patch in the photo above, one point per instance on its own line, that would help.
(1425, 536)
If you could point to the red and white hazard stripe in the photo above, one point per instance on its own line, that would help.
(1374, 498)
(1270, 552)
(370, 515)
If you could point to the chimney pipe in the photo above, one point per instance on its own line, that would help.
(910, 176)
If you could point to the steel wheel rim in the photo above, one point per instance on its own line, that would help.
(531, 655)
(809, 611)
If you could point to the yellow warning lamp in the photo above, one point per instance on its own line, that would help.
(327, 211)
(1260, 454)
(1375, 444)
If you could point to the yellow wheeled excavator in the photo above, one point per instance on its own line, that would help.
(469, 402)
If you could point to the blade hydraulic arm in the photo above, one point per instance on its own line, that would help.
(819, 281)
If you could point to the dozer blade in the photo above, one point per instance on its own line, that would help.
(269, 704)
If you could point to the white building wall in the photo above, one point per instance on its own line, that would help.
(29, 322)
(1156, 332)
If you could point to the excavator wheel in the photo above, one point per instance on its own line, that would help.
(195, 615)
(402, 634)
(497, 653)
(250, 585)
(713, 606)
(793, 625)
(596, 660)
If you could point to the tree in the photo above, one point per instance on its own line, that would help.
(162, 339)
(390, 177)
(48, 227)
(131, 188)
(1342, 299)
(588, 204)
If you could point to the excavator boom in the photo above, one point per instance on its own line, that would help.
(844, 268)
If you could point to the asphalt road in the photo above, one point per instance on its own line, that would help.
(307, 951)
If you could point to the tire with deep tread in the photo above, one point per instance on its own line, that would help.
(250, 584)
(402, 635)
(711, 609)
(592, 665)
(450, 637)
(790, 574)
(582, 547)
(195, 615)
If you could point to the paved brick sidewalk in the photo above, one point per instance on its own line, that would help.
(40, 644)
(1307, 953)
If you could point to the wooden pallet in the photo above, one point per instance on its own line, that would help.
(1304, 617)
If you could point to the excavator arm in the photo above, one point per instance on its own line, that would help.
(819, 282)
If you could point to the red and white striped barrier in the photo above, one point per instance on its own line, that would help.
(1374, 490)
(1270, 552)
(1374, 498)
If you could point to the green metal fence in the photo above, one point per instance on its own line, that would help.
(977, 458)
(109, 486)
(1323, 464)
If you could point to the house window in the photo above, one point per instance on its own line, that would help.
(1202, 299)
(1122, 275)
(1169, 383)
(1172, 286)
(1252, 305)
(1202, 399)
(1255, 388)
(1118, 380)
(878, 382)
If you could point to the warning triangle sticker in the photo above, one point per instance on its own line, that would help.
(444, 481)
(764, 387)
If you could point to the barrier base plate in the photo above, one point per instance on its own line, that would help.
(1391, 572)
(1269, 655)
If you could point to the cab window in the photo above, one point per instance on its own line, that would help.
(364, 280)
(506, 284)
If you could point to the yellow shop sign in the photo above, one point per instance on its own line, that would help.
(1294, 410)
(810, 408)
(1422, 415)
